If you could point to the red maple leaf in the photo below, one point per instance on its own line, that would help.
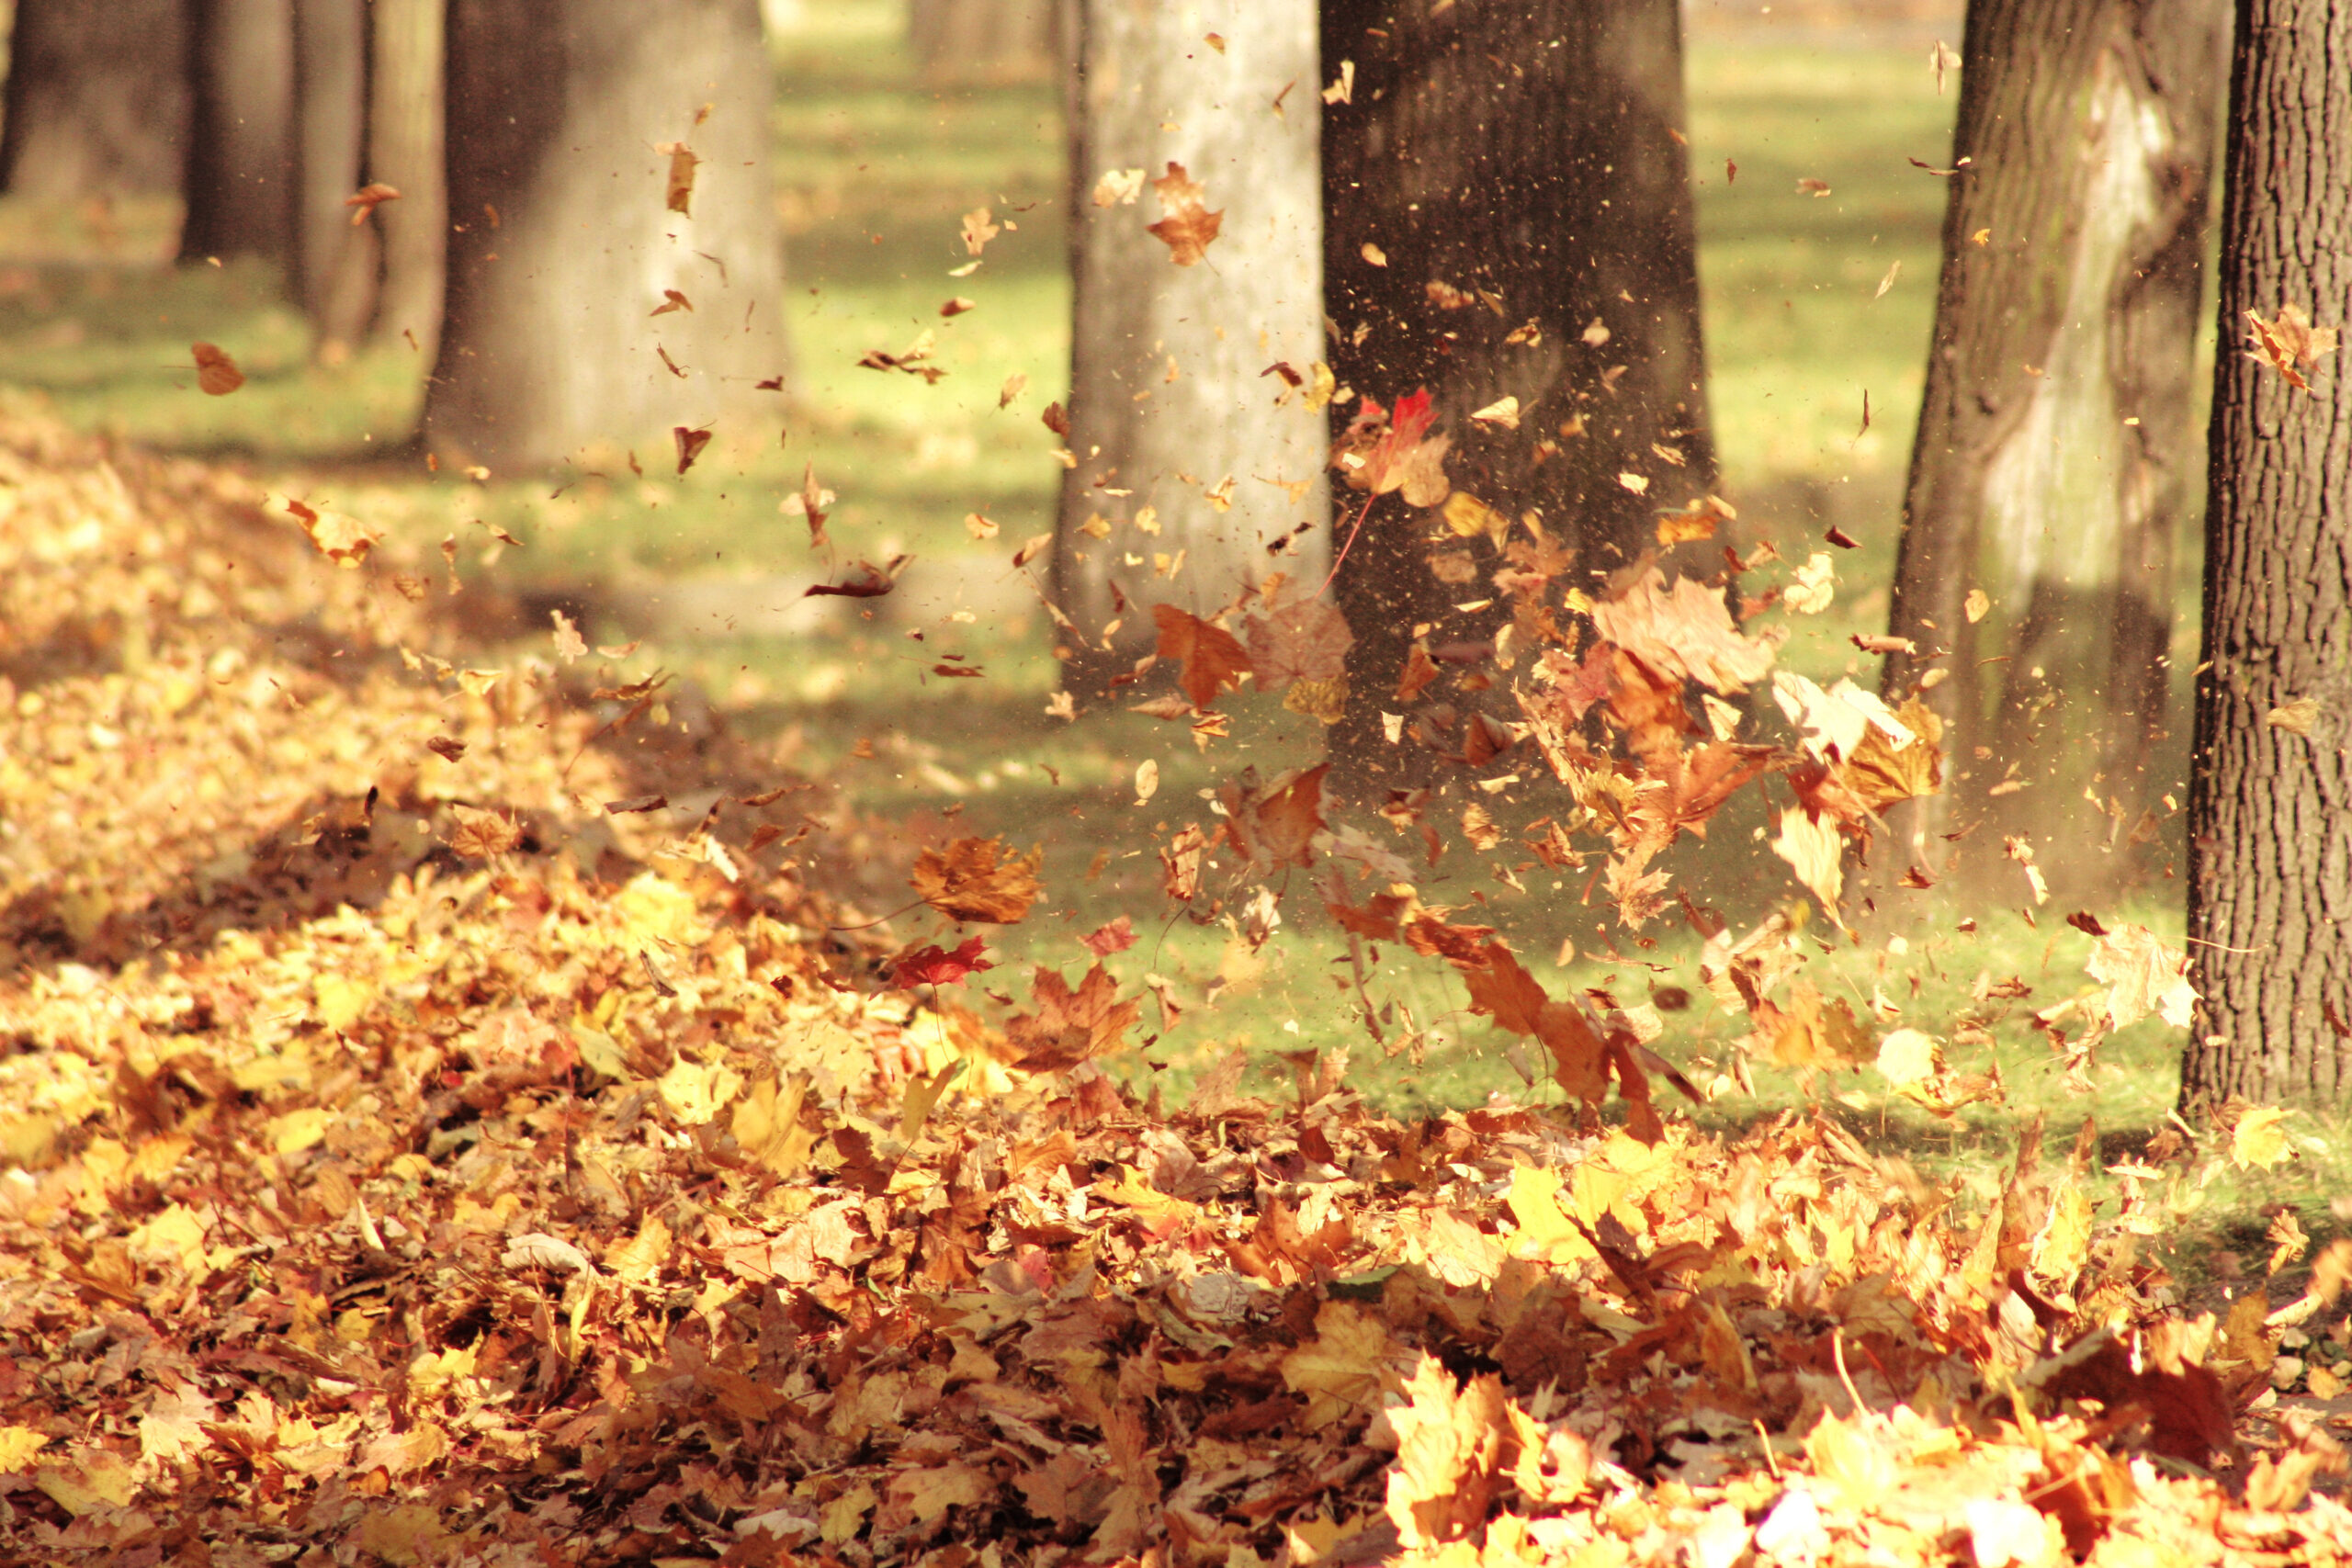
(934, 966)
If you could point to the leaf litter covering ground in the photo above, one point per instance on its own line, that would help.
(460, 1173)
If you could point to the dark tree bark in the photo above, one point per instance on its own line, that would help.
(562, 245)
(1182, 444)
(2270, 807)
(984, 41)
(1507, 213)
(241, 167)
(2055, 456)
(335, 261)
(405, 150)
(97, 99)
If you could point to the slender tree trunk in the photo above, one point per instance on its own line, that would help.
(337, 260)
(97, 99)
(984, 41)
(2055, 457)
(1507, 213)
(405, 138)
(2270, 807)
(1185, 446)
(241, 169)
(561, 244)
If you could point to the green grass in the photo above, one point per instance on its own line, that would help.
(874, 173)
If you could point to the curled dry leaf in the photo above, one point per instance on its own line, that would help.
(366, 199)
(979, 879)
(1685, 632)
(1190, 227)
(2296, 717)
(690, 442)
(1213, 660)
(2290, 345)
(216, 373)
(479, 835)
(678, 191)
(339, 536)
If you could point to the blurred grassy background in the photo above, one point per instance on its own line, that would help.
(873, 172)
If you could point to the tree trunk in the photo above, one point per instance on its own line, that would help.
(404, 151)
(97, 99)
(1507, 213)
(1185, 446)
(562, 245)
(241, 172)
(337, 261)
(2270, 807)
(2054, 459)
(984, 41)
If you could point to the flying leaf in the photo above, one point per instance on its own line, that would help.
(216, 373)
(342, 538)
(1686, 632)
(978, 231)
(1116, 937)
(672, 300)
(810, 503)
(1502, 414)
(481, 834)
(1190, 226)
(2296, 715)
(1298, 639)
(366, 199)
(690, 445)
(870, 582)
(1070, 1026)
(1118, 188)
(978, 879)
(1275, 825)
(679, 191)
(2290, 345)
(2142, 975)
(1813, 849)
(934, 965)
(1212, 658)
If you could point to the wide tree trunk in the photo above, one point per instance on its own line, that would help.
(335, 261)
(241, 165)
(2055, 455)
(97, 99)
(405, 135)
(2270, 798)
(563, 241)
(984, 41)
(1507, 213)
(1185, 446)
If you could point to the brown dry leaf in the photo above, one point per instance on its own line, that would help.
(366, 199)
(672, 300)
(481, 834)
(2290, 344)
(2296, 715)
(1686, 632)
(1697, 520)
(1275, 825)
(1298, 639)
(2142, 975)
(1880, 774)
(678, 192)
(810, 503)
(216, 373)
(1190, 226)
(340, 537)
(1213, 660)
(979, 879)
(690, 444)
(1070, 1027)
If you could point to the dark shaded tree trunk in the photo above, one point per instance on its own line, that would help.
(335, 261)
(406, 135)
(1507, 213)
(2270, 807)
(1183, 445)
(983, 42)
(97, 99)
(562, 245)
(2055, 455)
(241, 165)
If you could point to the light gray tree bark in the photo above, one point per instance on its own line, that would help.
(1183, 445)
(563, 243)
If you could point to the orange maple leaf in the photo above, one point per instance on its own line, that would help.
(1070, 1027)
(1190, 225)
(1212, 658)
(978, 879)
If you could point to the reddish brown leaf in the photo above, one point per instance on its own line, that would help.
(1212, 658)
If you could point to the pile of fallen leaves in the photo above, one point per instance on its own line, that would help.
(410, 1159)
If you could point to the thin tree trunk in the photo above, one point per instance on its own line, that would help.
(97, 99)
(984, 41)
(2270, 807)
(1185, 446)
(1507, 214)
(337, 260)
(241, 170)
(561, 244)
(405, 136)
(2054, 458)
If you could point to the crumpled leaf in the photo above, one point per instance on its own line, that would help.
(1685, 632)
(979, 879)
(2142, 975)
(1213, 660)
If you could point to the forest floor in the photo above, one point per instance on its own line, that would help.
(487, 1053)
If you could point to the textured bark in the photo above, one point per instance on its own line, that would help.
(555, 110)
(2055, 455)
(1525, 156)
(97, 99)
(405, 151)
(241, 165)
(1171, 407)
(979, 41)
(335, 270)
(2270, 811)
